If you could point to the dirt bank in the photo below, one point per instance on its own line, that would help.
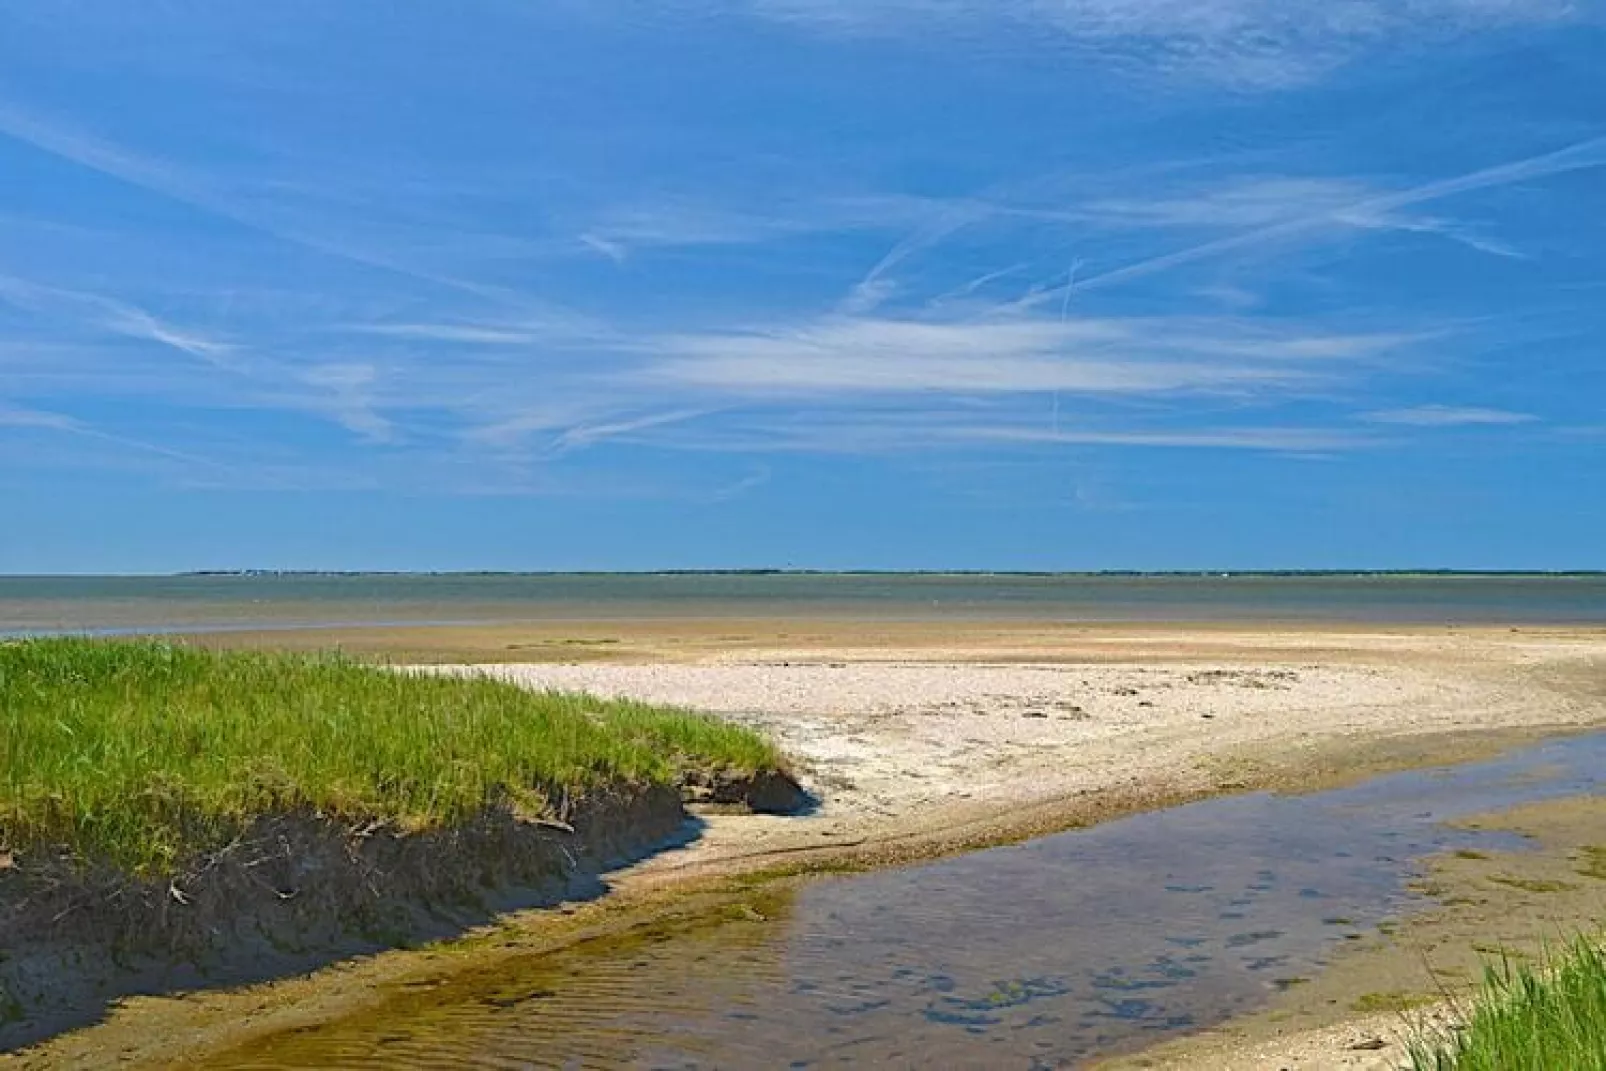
(299, 891)
(923, 740)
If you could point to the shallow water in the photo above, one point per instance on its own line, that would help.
(1039, 955)
(133, 604)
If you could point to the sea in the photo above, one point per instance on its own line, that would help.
(114, 605)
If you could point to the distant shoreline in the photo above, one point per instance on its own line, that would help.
(332, 602)
(1213, 574)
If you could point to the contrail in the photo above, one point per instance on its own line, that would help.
(1576, 157)
(12, 417)
(155, 176)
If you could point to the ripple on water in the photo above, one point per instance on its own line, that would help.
(1035, 955)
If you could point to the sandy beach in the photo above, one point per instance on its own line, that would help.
(921, 740)
(938, 735)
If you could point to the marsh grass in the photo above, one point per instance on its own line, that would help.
(1530, 1019)
(143, 753)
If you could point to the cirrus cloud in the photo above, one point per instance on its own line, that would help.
(1249, 44)
(1447, 416)
(869, 355)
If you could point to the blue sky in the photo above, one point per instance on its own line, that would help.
(828, 283)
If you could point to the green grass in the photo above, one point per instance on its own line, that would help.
(141, 754)
(1528, 1019)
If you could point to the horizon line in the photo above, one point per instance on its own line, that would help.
(780, 571)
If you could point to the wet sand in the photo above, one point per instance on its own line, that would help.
(1412, 977)
(923, 739)
(723, 639)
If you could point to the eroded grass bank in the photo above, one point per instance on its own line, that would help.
(163, 804)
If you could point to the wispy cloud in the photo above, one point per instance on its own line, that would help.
(259, 208)
(506, 431)
(1278, 439)
(1248, 44)
(584, 435)
(347, 393)
(25, 419)
(489, 335)
(899, 289)
(675, 223)
(683, 223)
(341, 391)
(548, 327)
(960, 430)
(1270, 202)
(351, 392)
(1447, 416)
(16, 417)
(1221, 218)
(114, 316)
(752, 481)
(1582, 155)
(877, 286)
(873, 356)
(612, 248)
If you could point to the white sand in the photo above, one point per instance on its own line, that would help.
(893, 745)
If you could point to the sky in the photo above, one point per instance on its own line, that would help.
(618, 284)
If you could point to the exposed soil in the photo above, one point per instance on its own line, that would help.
(766, 792)
(298, 891)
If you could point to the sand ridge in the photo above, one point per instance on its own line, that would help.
(889, 739)
(895, 741)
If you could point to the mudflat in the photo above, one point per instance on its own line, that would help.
(921, 739)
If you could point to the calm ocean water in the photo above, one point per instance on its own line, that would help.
(133, 604)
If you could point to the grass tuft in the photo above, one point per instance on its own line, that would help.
(142, 754)
(1526, 1018)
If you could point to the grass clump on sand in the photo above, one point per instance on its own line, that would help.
(143, 753)
(1552, 1017)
